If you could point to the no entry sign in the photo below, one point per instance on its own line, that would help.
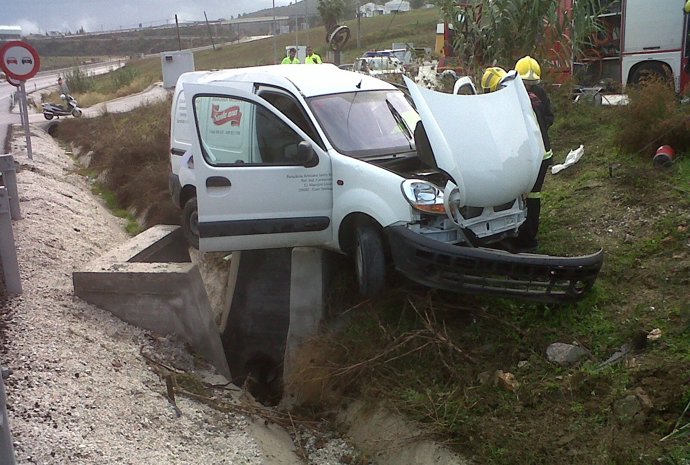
(19, 60)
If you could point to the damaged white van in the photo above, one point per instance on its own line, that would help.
(287, 156)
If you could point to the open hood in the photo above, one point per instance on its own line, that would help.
(489, 144)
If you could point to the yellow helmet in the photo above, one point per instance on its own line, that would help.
(686, 8)
(492, 78)
(528, 69)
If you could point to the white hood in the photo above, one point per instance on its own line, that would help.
(489, 144)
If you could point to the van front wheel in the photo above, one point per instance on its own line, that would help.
(370, 261)
(190, 222)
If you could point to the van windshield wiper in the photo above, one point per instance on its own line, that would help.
(401, 123)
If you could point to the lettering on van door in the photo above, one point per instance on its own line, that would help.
(311, 182)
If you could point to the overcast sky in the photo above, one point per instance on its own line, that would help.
(39, 16)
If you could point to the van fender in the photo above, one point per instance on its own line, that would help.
(360, 204)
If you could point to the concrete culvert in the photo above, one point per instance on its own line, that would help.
(52, 128)
(264, 379)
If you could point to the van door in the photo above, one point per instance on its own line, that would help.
(255, 187)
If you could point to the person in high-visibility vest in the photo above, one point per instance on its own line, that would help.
(530, 72)
(313, 58)
(291, 59)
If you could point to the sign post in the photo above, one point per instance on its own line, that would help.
(20, 61)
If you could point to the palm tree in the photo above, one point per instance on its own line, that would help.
(330, 11)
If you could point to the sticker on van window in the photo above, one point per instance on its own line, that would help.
(232, 114)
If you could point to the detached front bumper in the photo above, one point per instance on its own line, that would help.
(480, 270)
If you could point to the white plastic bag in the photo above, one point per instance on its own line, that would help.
(572, 158)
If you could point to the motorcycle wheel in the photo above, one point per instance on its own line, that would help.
(48, 116)
(76, 112)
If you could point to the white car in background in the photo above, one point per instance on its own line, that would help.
(379, 66)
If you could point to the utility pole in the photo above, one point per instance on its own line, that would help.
(275, 50)
(177, 27)
(306, 19)
(209, 32)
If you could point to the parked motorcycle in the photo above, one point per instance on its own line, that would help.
(51, 110)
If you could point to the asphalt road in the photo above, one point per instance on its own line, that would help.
(41, 81)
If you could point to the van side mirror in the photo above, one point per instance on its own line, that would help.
(306, 155)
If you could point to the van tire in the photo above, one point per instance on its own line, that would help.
(370, 260)
(190, 222)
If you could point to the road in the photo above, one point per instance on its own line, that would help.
(41, 81)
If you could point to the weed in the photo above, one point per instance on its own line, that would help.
(79, 81)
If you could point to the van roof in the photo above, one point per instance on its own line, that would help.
(309, 80)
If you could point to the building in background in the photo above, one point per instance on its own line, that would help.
(396, 6)
(369, 10)
(10, 33)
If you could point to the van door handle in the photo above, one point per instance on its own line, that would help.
(218, 181)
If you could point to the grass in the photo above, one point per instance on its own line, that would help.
(435, 356)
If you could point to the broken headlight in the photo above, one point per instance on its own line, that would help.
(423, 196)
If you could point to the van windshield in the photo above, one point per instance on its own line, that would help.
(363, 124)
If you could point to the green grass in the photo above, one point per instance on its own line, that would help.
(433, 355)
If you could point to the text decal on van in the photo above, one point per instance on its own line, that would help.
(231, 114)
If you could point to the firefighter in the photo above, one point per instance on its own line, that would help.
(492, 78)
(529, 70)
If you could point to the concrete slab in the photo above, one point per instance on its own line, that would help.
(151, 283)
(307, 297)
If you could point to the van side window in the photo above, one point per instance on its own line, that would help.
(182, 132)
(290, 108)
(238, 132)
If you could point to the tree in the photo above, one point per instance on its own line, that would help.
(330, 11)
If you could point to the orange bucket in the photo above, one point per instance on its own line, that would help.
(664, 156)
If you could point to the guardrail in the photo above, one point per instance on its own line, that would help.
(9, 210)
(6, 447)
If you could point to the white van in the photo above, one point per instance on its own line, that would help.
(287, 156)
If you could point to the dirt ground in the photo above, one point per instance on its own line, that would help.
(86, 387)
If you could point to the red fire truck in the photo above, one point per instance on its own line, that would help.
(640, 38)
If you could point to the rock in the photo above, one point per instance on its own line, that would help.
(507, 381)
(630, 410)
(565, 354)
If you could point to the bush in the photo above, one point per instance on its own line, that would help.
(79, 81)
(123, 77)
(654, 117)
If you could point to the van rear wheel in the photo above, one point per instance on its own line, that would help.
(370, 261)
(190, 222)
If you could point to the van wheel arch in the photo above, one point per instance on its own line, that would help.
(362, 237)
(186, 193)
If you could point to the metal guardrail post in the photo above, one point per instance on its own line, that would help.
(9, 177)
(6, 447)
(8, 251)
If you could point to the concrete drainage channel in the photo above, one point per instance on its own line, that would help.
(273, 300)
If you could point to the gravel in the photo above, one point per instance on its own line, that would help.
(82, 391)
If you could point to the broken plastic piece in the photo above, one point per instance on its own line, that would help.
(570, 159)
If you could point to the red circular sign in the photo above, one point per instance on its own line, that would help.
(19, 60)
